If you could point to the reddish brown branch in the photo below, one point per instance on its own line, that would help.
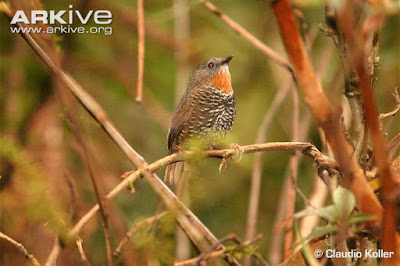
(21, 249)
(358, 57)
(326, 116)
(141, 42)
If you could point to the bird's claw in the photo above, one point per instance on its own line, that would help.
(223, 165)
(237, 156)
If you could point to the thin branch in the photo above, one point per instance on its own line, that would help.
(293, 168)
(141, 49)
(316, 200)
(55, 251)
(248, 36)
(181, 35)
(395, 110)
(21, 249)
(134, 229)
(255, 187)
(84, 257)
(92, 173)
(393, 142)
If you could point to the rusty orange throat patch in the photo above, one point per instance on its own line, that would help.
(222, 81)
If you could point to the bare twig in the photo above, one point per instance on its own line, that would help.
(182, 34)
(134, 229)
(92, 173)
(55, 251)
(248, 36)
(276, 241)
(316, 199)
(293, 167)
(396, 109)
(21, 249)
(252, 214)
(393, 142)
(84, 257)
(195, 260)
(141, 42)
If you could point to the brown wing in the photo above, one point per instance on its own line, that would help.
(179, 123)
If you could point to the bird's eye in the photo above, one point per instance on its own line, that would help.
(210, 65)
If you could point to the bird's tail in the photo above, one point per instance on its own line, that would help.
(175, 172)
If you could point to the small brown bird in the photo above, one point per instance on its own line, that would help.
(206, 111)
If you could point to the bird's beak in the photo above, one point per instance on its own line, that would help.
(226, 60)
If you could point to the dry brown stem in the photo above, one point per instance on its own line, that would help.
(141, 42)
(393, 142)
(248, 36)
(21, 249)
(251, 225)
(55, 251)
(88, 158)
(293, 168)
(396, 108)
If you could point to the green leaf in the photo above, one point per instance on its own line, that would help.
(328, 213)
(344, 202)
(362, 217)
(320, 231)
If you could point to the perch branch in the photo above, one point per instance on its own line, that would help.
(322, 161)
(21, 249)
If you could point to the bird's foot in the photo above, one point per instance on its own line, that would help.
(223, 165)
(237, 156)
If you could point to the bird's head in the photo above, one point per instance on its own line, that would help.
(215, 72)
